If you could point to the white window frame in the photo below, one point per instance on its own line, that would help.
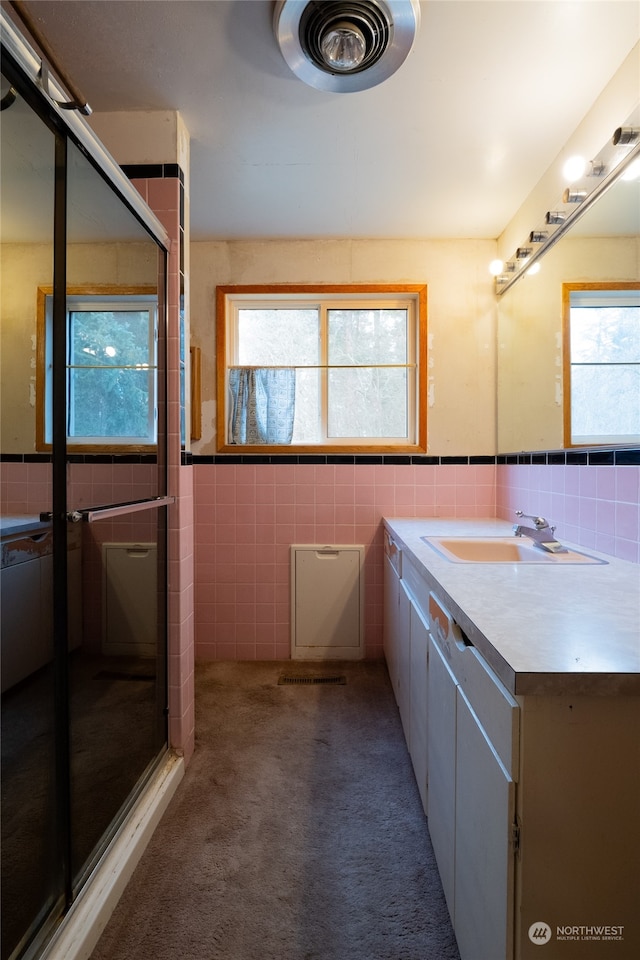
(87, 300)
(231, 299)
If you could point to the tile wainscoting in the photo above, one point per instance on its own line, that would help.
(237, 530)
(247, 515)
(594, 506)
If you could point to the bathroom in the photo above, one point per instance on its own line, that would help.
(230, 533)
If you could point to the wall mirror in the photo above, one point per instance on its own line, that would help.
(603, 245)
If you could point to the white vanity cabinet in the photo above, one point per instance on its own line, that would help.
(532, 745)
(26, 600)
(396, 618)
(461, 726)
(418, 684)
(441, 807)
(473, 726)
(405, 640)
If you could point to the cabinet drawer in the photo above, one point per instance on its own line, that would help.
(492, 703)
(417, 587)
(494, 706)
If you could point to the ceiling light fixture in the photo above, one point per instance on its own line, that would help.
(574, 168)
(343, 46)
(618, 159)
(596, 168)
(573, 196)
(625, 135)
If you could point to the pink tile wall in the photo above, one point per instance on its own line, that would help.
(163, 196)
(592, 506)
(236, 522)
(248, 515)
(25, 488)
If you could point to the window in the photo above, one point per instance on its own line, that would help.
(602, 363)
(321, 367)
(111, 370)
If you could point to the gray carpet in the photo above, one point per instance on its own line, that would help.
(297, 833)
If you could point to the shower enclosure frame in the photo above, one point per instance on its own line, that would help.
(23, 69)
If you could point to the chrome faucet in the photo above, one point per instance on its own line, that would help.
(541, 533)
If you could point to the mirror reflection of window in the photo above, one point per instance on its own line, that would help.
(111, 369)
(602, 370)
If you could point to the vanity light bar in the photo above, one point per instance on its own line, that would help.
(625, 135)
(605, 170)
(597, 168)
(574, 196)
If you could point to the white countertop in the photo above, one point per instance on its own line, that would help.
(556, 628)
(12, 524)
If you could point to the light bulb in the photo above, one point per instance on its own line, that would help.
(574, 168)
(533, 269)
(496, 267)
(343, 47)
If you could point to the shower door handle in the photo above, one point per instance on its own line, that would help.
(91, 514)
(74, 516)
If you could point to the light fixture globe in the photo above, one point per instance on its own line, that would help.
(343, 46)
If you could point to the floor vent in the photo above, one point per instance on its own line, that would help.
(296, 680)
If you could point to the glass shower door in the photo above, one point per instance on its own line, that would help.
(32, 850)
(84, 513)
(116, 504)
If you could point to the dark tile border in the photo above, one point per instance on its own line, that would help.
(340, 459)
(599, 457)
(90, 458)
(152, 171)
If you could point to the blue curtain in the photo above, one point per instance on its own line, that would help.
(262, 404)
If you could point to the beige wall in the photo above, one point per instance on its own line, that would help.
(461, 317)
(23, 267)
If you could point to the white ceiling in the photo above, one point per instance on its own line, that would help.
(450, 146)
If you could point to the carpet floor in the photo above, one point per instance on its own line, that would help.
(296, 834)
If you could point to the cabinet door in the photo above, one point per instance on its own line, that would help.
(441, 746)
(419, 694)
(396, 634)
(24, 649)
(484, 859)
(404, 661)
(389, 633)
